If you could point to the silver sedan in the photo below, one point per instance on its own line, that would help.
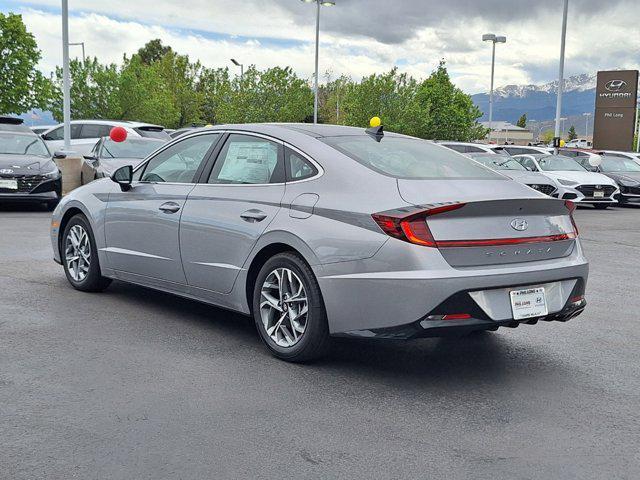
(320, 231)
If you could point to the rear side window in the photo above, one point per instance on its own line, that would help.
(457, 148)
(297, 167)
(410, 158)
(95, 131)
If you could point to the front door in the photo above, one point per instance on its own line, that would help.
(142, 224)
(224, 217)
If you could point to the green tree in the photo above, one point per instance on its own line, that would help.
(522, 121)
(94, 90)
(180, 78)
(547, 136)
(331, 97)
(391, 96)
(215, 88)
(572, 135)
(22, 86)
(153, 51)
(450, 113)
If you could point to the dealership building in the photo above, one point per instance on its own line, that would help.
(505, 132)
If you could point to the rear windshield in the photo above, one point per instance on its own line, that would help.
(153, 133)
(130, 148)
(409, 158)
(21, 144)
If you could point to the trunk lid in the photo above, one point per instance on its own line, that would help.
(502, 222)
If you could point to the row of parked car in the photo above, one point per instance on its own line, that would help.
(597, 177)
(601, 178)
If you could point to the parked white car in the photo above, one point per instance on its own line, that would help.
(528, 149)
(579, 143)
(574, 182)
(86, 133)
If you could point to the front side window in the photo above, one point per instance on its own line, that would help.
(527, 163)
(409, 158)
(248, 160)
(179, 162)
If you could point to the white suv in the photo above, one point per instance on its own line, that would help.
(86, 133)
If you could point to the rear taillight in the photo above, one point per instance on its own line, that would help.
(572, 207)
(412, 227)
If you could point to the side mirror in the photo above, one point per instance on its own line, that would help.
(45, 136)
(59, 155)
(91, 158)
(123, 177)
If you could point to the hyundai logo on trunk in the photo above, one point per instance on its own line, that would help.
(519, 224)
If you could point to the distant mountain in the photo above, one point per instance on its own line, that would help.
(539, 101)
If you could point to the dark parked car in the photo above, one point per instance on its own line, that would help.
(27, 170)
(624, 171)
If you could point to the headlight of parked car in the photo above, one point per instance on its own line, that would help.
(52, 174)
(567, 183)
(629, 182)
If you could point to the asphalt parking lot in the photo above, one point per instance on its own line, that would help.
(135, 384)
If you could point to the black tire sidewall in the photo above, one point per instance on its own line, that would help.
(94, 279)
(316, 334)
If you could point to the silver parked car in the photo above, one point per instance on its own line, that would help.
(327, 230)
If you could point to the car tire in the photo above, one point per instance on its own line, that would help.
(601, 206)
(81, 277)
(286, 341)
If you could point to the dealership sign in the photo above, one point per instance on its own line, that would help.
(616, 97)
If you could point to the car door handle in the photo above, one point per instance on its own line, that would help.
(253, 216)
(169, 207)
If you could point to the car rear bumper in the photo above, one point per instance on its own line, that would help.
(365, 297)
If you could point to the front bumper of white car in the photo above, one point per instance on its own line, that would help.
(589, 193)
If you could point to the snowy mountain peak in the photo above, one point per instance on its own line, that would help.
(578, 83)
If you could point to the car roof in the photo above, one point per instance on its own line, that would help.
(118, 123)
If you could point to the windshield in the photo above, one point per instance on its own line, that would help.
(16, 144)
(558, 163)
(498, 162)
(615, 164)
(130, 148)
(410, 158)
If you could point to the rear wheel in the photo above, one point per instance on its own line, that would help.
(600, 206)
(289, 311)
(80, 256)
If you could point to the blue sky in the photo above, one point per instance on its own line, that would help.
(359, 37)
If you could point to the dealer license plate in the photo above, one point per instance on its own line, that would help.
(598, 194)
(528, 303)
(8, 184)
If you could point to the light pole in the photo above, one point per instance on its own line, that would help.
(319, 3)
(563, 119)
(586, 128)
(84, 58)
(491, 37)
(66, 99)
(563, 42)
(238, 64)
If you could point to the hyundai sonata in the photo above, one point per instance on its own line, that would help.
(319, 231)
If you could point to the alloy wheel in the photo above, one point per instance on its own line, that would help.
(284, 307)
(77, 250)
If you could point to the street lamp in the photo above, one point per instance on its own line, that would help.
(84, 58)
(238, 64)
(563, 42)
(586, 128)
(319, 3)
(491, 37)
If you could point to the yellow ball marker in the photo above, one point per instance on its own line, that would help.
(375, 122)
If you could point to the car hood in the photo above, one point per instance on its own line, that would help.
(583, 178)
(527, 177)
(419, 192)
(629, 176)
(25, 164)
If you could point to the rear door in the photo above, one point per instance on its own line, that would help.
(142, 224)
(227, 212)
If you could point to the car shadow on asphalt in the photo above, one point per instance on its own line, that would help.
(23, 207)
(490, 356)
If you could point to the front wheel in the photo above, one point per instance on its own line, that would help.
(289, 311)
(80, 256)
